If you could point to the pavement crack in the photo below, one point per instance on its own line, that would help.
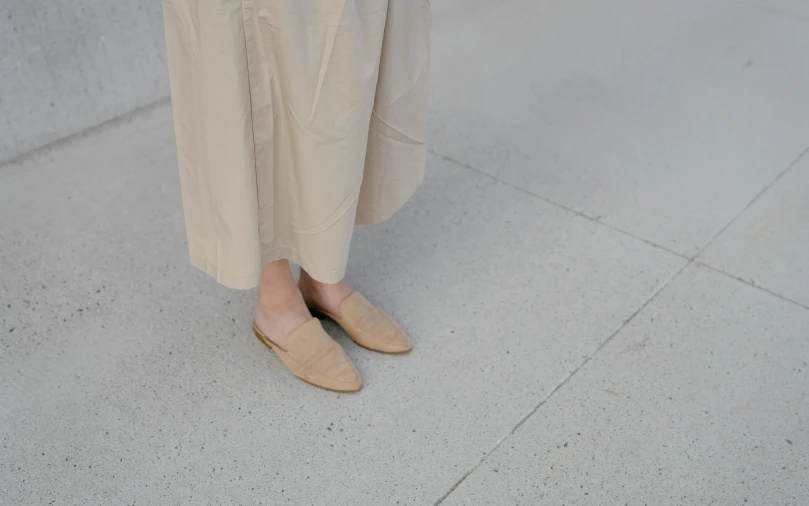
(595, 219)
(563, 383)
(750, 204)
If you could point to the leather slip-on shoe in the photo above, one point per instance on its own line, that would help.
(368, 326)
(313, 356)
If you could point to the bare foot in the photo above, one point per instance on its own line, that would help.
(322, 295)
(280, 308)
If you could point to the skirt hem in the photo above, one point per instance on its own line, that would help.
(249, 281)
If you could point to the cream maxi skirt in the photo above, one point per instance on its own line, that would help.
(294, 120)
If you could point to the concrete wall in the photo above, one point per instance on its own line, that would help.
(67, 65)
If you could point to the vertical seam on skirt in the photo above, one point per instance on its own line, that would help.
(252, 111)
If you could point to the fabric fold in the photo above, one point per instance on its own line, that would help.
(285, 133)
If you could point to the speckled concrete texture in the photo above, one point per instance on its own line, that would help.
(68, 65)
(701, 399)
(146, 384)
(573, 344)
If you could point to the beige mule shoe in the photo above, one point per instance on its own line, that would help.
(313, 356)
(368, 325)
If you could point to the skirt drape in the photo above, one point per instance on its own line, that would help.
(294, 120)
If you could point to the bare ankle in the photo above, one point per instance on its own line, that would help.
(325, 296)
(276, 284)
(280, 307)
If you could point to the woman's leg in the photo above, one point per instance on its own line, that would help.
(280, 308)
(323, 295)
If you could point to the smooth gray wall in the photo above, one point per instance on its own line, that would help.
(67, 65)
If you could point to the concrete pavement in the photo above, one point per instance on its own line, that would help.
(604, 276)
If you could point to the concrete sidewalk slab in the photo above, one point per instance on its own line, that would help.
(131, 376)
(769, 244)
(660, 118)
(128, 376)
(702, 399)
(789, 8)
(68, 65)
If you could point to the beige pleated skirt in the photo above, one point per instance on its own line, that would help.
(294, 120)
